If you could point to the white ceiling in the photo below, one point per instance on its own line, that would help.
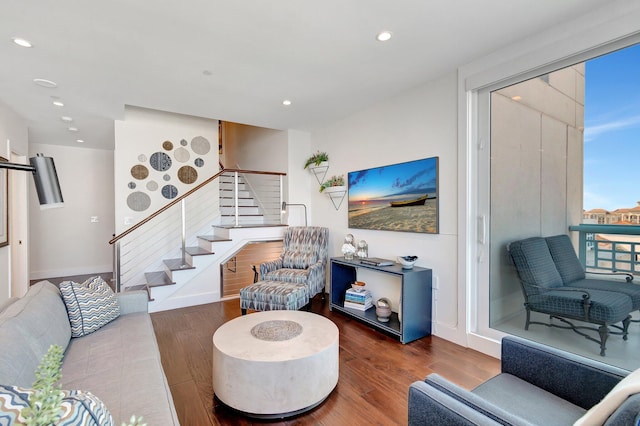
(321, 54)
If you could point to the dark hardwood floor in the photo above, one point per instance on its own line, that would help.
(375, 370)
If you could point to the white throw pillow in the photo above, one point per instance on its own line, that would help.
(90, 305)
(599, 413)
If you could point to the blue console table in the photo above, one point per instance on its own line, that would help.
(415, 298)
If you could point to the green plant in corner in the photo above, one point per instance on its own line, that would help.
(45, 404)
(333, 181)
(316, 159)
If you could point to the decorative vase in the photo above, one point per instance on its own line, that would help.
(383, 309)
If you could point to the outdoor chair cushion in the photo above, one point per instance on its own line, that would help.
(606, 306)
(564, 256)
(534, 263)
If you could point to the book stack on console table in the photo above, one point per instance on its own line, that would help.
(360, 300)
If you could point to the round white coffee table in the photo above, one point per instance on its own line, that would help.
(275, 364)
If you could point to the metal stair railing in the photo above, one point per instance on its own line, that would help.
(143, 246)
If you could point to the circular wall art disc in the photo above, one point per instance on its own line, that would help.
(200, 145)
(152, 185)
(181, 155)
(169, 192)
(187, 174)
(138, 201)
(160, 161)
(139, 172)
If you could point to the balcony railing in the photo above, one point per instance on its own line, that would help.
(609, 248)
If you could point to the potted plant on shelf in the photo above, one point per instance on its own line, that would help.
(317, 159)
(334, 184)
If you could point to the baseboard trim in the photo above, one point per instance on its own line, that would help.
(69, 272)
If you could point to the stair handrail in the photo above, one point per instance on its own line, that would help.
(185, 195)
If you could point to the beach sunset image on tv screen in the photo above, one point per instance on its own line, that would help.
(398, 197)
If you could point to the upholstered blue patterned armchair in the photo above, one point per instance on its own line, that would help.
(303, 259)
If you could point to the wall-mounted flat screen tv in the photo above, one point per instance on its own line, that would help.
(398, 197)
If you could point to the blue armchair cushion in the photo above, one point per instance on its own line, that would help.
(534, 263)
(565, 258)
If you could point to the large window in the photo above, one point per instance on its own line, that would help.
(563, 147)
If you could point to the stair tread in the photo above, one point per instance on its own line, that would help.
(213, 238)
(176, 265)
(157, 279)
(198, 251)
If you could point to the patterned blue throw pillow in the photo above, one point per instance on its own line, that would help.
(78, 408)
(90, 305)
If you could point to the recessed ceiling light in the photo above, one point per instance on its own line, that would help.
(384, 36)
(516, 98)
(58, 103)
(66, 119)
(22, 42)
(45, 83)
(73, 129)
(286, 102)
(80, 140)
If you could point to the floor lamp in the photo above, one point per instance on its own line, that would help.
(44, 177)
(285, 205)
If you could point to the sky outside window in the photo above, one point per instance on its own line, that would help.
(612, 130)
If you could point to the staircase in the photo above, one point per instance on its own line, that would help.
(194, 276)
(249, 213)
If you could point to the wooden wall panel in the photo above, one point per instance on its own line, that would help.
(237, 272)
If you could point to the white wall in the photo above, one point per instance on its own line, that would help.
(142, 134)
(13, 137)
(64, 241)
(418, 124)
(301, 184)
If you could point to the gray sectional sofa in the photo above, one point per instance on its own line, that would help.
(119, 363)
(539, 385)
